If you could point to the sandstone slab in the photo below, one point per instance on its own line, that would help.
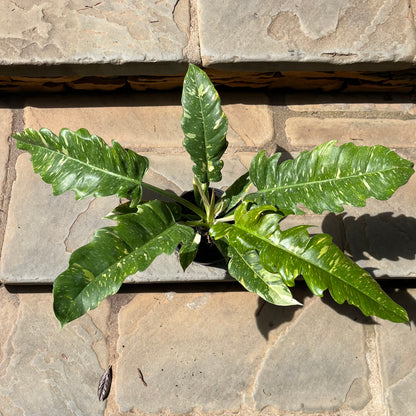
(44, 368)
(91, 37)
(177, 343)
(308, 132)
(333, 353)
(398, 363)
(151, 120)
(290, 36)
(381, 236)
(350, 103)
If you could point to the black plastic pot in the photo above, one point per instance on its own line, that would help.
(208, 253)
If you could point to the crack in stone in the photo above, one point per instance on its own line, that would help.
(66, 239)
(271, 344)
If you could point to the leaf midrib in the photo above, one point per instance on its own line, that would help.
(131, 254)
(309, 183)
(205, 132)
(282, 248)
(93, 167)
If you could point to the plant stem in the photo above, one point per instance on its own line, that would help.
(176, 198)
(202, 193)
(225, 219)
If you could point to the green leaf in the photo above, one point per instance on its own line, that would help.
(204, 125)
(98, 269)
(328, 177)
(84, 163)
(322, 264)
(233, 195)
(247, 269)
(188, 251)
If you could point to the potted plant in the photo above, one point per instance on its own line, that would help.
(242, 223)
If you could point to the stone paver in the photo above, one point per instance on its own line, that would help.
(381, 236)
(41, 232)
(99, 38)
(397, 365)
(91, 37)
(150, 120)
(288, 381)
(41, 240)
(43, 369)
(311, 131)
(359, 103)
(218, 351)
(188, 360)
(292, 36)
(242, 362)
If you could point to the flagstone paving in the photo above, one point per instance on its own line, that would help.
(196, 343)
(204, 351)
(204, 348)
(89, 37)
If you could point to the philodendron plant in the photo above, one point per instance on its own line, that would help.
(244, 226)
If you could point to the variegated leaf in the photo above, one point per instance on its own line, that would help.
(233, 195)
(328, 177)
(98, 269)
(204, 125)
(246, 268)
(84, 163)
(322, 264)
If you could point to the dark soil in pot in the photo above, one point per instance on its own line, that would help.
(208, 253)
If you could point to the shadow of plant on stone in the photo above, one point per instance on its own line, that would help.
(402, 295)
(270, 317)
(348, 311)
(382, 236)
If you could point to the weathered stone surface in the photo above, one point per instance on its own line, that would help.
(301, 102)
(139, 121)
(200, 349)
(311, 131)
(44, 368)
(398, 363)
(250, 118)
(93, 38)
(34, 242)
(5, 132)
(175, 340)
(151, 120)
(285, 35)
(382, 236)
(317, 373)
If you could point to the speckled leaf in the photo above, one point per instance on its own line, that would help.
(204, 125)
(98, 269)
(188, 251)
(84, 163)
(247, 269)
(322, 264)
(328, 177)
(233, 195)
